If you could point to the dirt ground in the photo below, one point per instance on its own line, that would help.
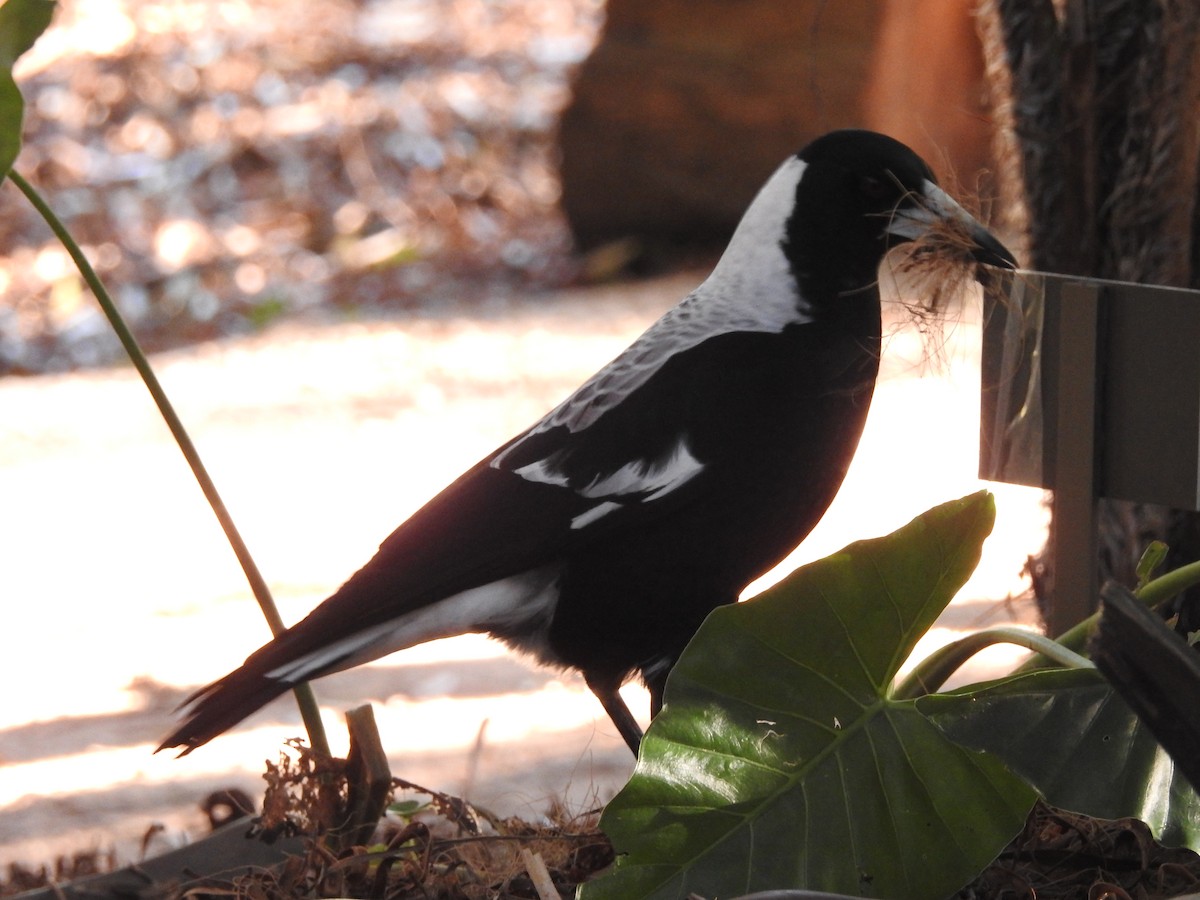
(121, 595)
(337, 224)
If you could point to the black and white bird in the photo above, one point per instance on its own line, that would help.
(690, 465)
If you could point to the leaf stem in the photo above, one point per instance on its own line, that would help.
(305, 698)
(933, 671)
(1167, 585)
(1153, 593)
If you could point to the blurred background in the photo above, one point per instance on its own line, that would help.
(369, 241)
(231, 163)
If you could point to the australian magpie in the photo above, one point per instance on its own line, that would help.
(691, 464)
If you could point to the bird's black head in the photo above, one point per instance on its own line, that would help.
(859, 194)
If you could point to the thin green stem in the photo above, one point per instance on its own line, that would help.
(305, 698)
(1167, 585)
(1153, 593)
(933, 671)
(1074, 639)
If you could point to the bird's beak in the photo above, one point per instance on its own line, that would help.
(935, 210)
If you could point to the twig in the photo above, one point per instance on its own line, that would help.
(535, 866)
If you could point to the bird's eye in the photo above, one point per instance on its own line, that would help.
(873, 188)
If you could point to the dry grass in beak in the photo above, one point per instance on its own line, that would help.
(934, 277)
(938, 266)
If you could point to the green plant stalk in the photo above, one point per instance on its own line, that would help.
(309, 711)
(1152, 593)
(1075, 639)
(933, 671)
(1169, 584)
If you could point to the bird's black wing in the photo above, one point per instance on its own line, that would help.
(520, 509)
(481, 555)
(619, 452)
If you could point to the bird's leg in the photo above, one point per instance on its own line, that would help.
(655, 684)
(610, 698)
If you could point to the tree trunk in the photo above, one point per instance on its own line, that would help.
(1096, 104)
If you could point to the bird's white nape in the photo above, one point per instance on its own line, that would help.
(754, 276)
(751, 289)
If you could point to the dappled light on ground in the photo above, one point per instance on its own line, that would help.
(229, 164)
(360, 198)
(322, 440)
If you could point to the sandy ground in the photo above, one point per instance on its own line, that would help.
(119, 594)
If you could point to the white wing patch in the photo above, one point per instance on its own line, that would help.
(644, 479)
(597, 512)
(752, 289)
(542, 471)
(652, 478)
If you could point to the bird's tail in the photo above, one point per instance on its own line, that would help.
(304, 652)
(308, 650)
(360, 622)
(219, 706)
(331, 638)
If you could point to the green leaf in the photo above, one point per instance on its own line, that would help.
(779, 760)
(21, 23)
(1075, 740)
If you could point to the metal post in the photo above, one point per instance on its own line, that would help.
(1071, 382)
